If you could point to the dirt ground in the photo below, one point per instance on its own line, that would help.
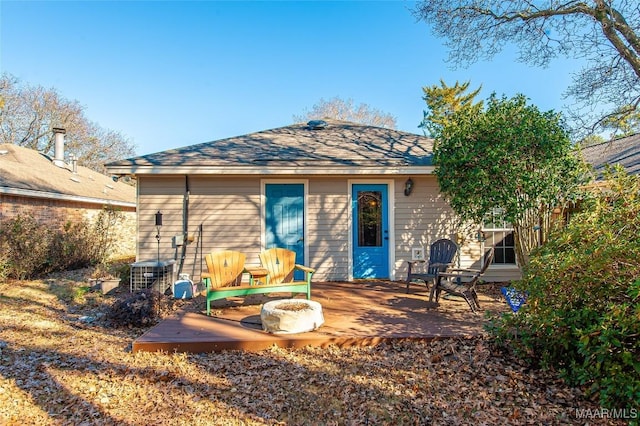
(64, 362)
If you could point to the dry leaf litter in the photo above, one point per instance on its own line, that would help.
(65, 361)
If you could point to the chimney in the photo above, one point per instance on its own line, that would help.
(58, 152)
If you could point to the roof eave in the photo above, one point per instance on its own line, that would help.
(265, 170)
(66, 197)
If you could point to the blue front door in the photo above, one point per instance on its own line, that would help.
(370, 231)
(284, 219)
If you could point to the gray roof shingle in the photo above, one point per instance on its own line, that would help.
(338, 144)
(624, 151)
(25, 170)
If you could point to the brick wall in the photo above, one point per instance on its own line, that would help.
(56, 213)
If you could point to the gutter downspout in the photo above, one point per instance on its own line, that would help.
(185, 223)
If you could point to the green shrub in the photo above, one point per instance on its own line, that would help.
(73, 248)
(26, 244)
(102, 232)
(582, 315)
(117, 267)
(123, 270)
(31, 249)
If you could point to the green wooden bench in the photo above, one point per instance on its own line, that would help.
(225, 269)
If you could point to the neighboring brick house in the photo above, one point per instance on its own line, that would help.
(55, 192)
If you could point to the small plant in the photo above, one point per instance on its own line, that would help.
(104, 272)
(69, 292)
(121, 268)
(114, 269)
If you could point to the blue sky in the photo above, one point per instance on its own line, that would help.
(170, 74)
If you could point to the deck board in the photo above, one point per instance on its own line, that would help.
(356, 314)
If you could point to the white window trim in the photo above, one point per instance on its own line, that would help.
(501, 265)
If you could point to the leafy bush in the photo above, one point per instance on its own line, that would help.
(26, 245)
(31, 249)
(102, 232)
(73, 248)
(582, 315)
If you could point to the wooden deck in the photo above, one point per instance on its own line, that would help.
(359, 313)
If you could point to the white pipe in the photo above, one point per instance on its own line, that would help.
(58, 148)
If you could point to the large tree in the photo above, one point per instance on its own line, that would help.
(603, 34)
(510, 158)
(340, 109)
(442, 101)
(29, 113)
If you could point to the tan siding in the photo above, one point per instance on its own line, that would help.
(502, 274)
(470, 252)
(227, 210)
(161, 185)
(420, 219)
(424, 217)
(164, 194)
(328, 228)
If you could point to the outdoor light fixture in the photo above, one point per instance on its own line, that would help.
(158, 225)
(481, 236)
(408, 187)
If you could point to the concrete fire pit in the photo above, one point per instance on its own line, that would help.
(290, 316)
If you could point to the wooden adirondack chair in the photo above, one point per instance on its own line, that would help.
(462, 282)
(441, 254)
(224, 275)
(280, 264)
(224, 269)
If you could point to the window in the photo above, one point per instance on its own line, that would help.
(499, 235)
(370, 219)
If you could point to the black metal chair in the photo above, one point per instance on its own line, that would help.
(462, 282)
(441, 255)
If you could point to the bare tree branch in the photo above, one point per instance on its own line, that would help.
(30, 113)
(340, 109)
(602, 33)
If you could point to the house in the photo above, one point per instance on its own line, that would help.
(354, 201)
(55, 192)
(624, 151)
